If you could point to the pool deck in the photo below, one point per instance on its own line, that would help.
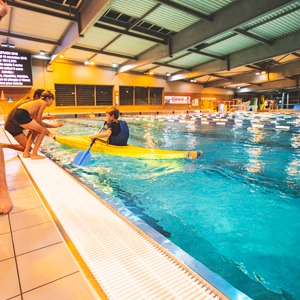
(58, 247)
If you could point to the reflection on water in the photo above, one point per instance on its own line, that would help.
(254, 164)
(254, 151)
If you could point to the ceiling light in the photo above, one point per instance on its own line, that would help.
(4, 45)
(169, 74)
(115, 65)
(263, 72)
(92, 63)
(193, 80)
(86, 62)
(61, 56)
(257, 73)
(42, 52)
(11, 46)
(238, 87)
(151, 73)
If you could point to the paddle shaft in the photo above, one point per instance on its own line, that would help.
(92, 143)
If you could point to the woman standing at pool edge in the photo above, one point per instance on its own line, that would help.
(29, 116)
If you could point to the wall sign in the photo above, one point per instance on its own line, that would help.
(15, 69)
(177, 99)
(208, 98)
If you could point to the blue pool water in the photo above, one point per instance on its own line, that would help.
(236, 210)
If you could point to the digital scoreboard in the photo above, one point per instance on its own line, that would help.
(15, 69)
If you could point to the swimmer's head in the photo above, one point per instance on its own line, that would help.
(113, 112)
(47, 94)
(37, 94)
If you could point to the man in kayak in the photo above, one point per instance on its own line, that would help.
(117, 132)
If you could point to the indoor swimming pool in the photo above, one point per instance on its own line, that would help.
(236, 209)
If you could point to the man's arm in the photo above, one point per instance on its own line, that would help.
(107, 134)
(55, 125)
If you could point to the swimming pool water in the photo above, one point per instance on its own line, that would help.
(236, 209)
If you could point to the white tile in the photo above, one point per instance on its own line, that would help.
(22, 192)
(6, 249)
(35, 237)
(16, 177)
(29, 218)
(12, 164)
(25, 203)
(15, 171)
(18, 184)
(71, 287)
(16, 298)
(42, 266)
(4, 224)
(9, 284)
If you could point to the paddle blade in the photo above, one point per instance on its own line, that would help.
(82, 158)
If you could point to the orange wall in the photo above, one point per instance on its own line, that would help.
(66, 73)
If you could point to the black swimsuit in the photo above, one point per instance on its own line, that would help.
(22, 116)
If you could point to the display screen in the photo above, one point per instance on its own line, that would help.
(15, 69)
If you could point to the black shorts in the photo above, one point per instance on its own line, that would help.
(22, 116)
(13, 127)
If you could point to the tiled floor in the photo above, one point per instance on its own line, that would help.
(35, 262)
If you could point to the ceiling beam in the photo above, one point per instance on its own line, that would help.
(187, 10)
(207, 54)
(143, 16)
(270, 86)
(277, 72)
(102, 52)
(89, 14)
(253, 36)
(171, 66)
(245, 57)
(29, 38)
(59, 8)
(130, 33)
(226, 20)
(219, 76)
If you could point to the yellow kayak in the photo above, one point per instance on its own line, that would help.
(83, 142)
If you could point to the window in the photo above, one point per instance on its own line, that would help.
(64, 95)
(156, 96)
(130, 95)
(126, 95)
(141, 96)
(83, 95)
(104, 95)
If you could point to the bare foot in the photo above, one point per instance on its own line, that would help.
(36, 156)
(25, 155)
(5, 202)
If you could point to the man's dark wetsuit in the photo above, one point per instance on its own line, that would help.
(22, 116)
(19, 117)
(114, 127)
(11, 125)
(119, 133)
